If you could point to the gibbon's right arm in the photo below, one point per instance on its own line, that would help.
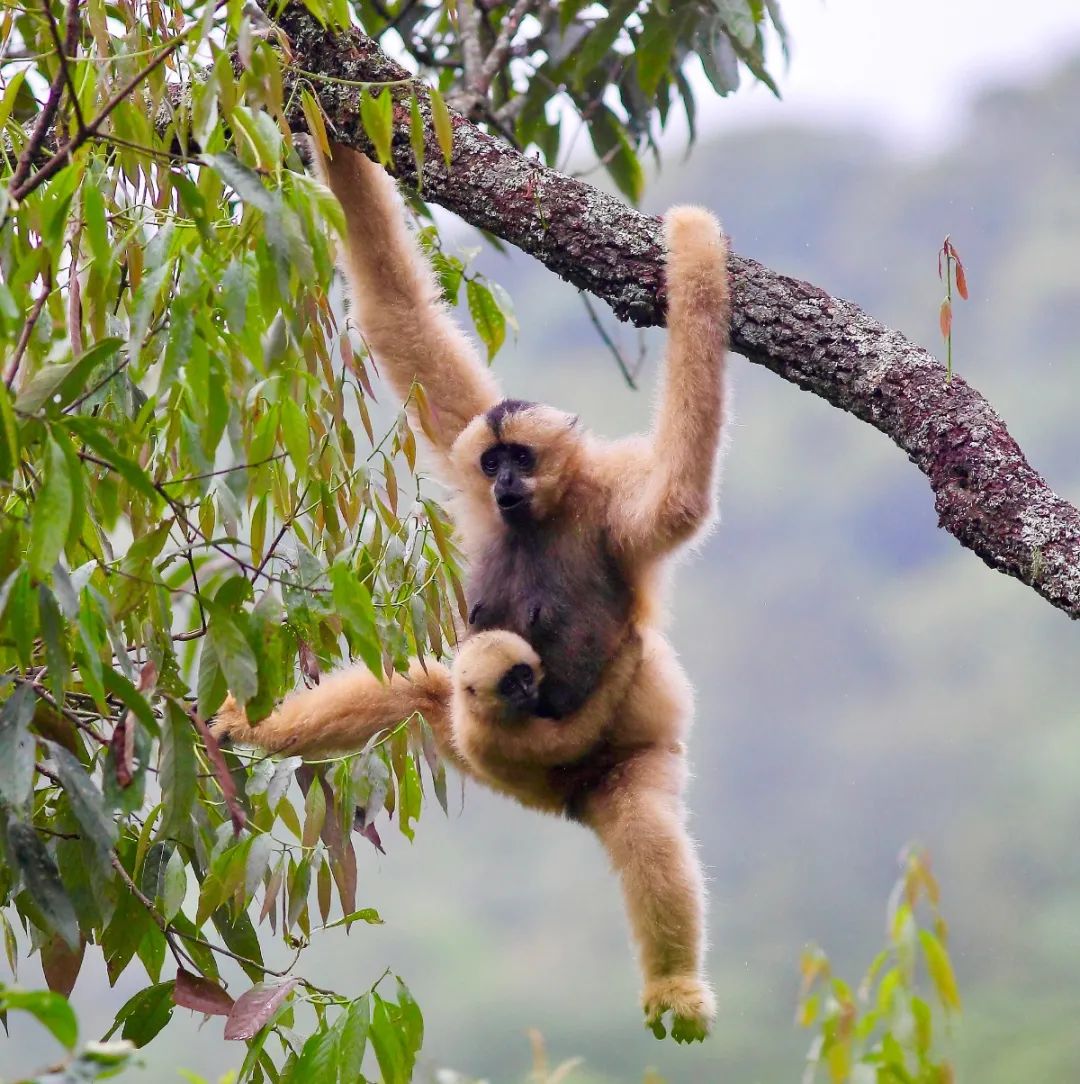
(345, 711)
(398, 304)
(670, 496)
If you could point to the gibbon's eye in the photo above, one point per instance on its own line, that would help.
(489, 462)
(523, 457)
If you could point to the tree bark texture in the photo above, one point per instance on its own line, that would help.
(985, 492)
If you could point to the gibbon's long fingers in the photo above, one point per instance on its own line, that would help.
(638, 815)
(677, 495)
(344, 712)
(398, 304)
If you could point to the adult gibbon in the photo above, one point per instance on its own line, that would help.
(564, 694)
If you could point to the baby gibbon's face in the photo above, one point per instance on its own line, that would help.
(500, 674)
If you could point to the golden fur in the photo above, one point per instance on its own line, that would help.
(618, 763)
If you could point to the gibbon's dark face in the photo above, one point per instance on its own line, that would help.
(510, 467)
(519, 688)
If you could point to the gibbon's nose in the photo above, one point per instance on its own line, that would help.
(518, 685)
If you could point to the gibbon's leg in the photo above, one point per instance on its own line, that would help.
(656, 513)
(345, 711)
(398, 304)
(638, 814)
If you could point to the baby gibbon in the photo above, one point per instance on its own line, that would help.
(566, 538)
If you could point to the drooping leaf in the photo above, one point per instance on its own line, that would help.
(86, 801)
(255, 1007)
(50, 514)
(50, 1010)
(16, 746)
(202, 995)
(440, 119)
(42, 880)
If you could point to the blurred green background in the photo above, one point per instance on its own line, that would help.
(862, 681)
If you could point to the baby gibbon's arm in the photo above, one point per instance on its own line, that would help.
(655, 513)
(397, 302)
(344, 712)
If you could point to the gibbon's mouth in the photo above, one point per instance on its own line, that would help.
(507, 502)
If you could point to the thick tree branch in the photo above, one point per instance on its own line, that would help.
(986, 493)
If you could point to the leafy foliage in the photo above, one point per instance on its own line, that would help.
(884, 1032)
(186, 508)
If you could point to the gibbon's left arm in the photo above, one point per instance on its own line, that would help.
(651, 515)
(398, 304)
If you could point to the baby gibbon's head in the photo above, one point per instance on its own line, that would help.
(523, 455)
(499, 675)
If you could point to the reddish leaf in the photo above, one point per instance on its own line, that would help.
(369, 833)
(945, 319)
(254, 1008)
(309, 665)
(221, 773)
(61, 965)
(147, 677)
(122, 744)
(202, 995)
(961, 280)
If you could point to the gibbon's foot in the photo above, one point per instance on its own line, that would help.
(690, 1002)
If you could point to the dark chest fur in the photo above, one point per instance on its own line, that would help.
(561, 589)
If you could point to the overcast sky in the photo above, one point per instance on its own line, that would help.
(906, 66)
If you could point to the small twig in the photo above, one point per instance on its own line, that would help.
(67, 48)
(73, 406)
(224, 470)
(471, 51)
(609, 342)
(28, 328)
(39, 133)
(501, 49)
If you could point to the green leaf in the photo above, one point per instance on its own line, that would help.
(941, 971)
(654, 52)
(49, 1009)
(612, 145)
(387, 1043)
(178, 769)
(377, 117)
(487, 316)
(16, 747)
(50, 514)
(416, 138)
(352, 600)
(295, 430)
(42, 880)
(9, 436)
(94, 220)
(234, 654)
(314, 813)
(90, 433)
(597, 46)
(365, 914)
(86, 801)
(175, 887)
(440, 120)
(65, 381)
(318, 1060)
(313, 116)
(718, 57)
(145, 1014)
(352, 1028)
